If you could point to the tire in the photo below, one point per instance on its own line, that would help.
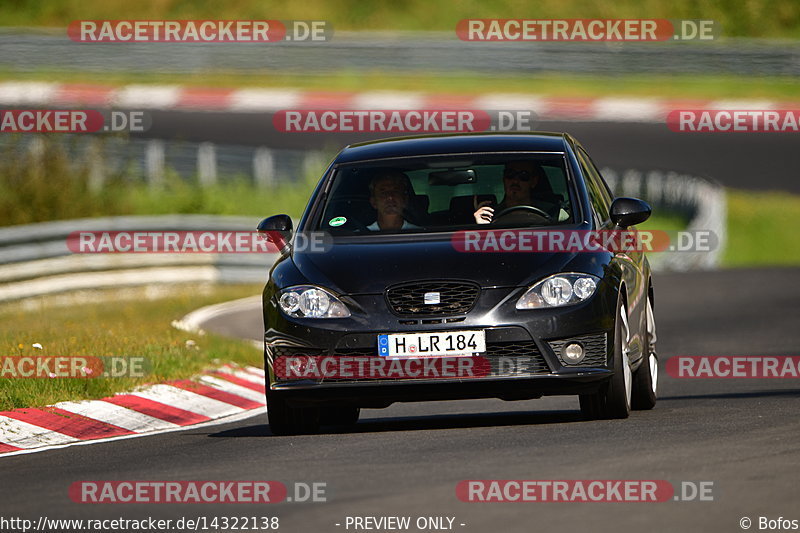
(339, 416)
(645, 380)
(613, 400)
(286, 420)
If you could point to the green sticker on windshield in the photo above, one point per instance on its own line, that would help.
(338, 221)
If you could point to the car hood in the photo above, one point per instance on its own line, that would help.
(368, 268)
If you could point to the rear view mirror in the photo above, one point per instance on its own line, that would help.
(452, 177)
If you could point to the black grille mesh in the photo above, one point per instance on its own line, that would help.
(515, 359)
(594, 346)
(295, 351)
(455, 298)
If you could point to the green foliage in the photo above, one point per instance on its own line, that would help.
(754, 18)
(762, 229)
(46, 184)
(689, 86)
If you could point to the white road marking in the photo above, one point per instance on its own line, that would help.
(248, 375)
(255, 370)
(387, 100)
(511, 101)
(629, 110)
(233, 388)
(116, 415)
(261, 411)
(744, 105)
(188, 401)
(147, 96)
(24, 435)
(27, 92)
(264, 99)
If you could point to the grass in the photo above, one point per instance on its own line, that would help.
(52, 188)
(754, 18)
(238, 197)
(135, 327)
(461, 83)
(663, 222)
(762, 229)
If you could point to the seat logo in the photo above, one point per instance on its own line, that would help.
(432, 298)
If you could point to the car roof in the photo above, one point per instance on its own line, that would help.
(457, 143)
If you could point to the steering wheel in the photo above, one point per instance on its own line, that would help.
(528, 209)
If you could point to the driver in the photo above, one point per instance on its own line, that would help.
(519, 180)
(388, 194)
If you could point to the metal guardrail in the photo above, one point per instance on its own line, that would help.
(26, 50)
(35, 259)
(700, 200)
(151, 159)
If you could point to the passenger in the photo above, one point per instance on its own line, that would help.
(388, 194)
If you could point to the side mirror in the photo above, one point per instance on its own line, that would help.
(629, 211)
(277, 230)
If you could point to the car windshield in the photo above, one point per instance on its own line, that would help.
(446, 193)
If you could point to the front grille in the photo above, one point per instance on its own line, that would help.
(455, 298)
(294, 351)
(594, 345)
(509, 359)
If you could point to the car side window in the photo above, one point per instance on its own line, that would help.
(598, 193)
(604, 190)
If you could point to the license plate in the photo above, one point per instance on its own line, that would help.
(436, 344)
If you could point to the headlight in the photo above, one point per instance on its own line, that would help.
(306, 301)
(559, 290)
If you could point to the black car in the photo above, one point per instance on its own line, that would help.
(421, 288)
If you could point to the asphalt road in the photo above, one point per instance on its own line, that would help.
(741, 160)
(406, 460)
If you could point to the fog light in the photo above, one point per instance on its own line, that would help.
(572, 353)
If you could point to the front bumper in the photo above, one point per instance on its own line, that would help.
(529, 342)
(378, 394)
